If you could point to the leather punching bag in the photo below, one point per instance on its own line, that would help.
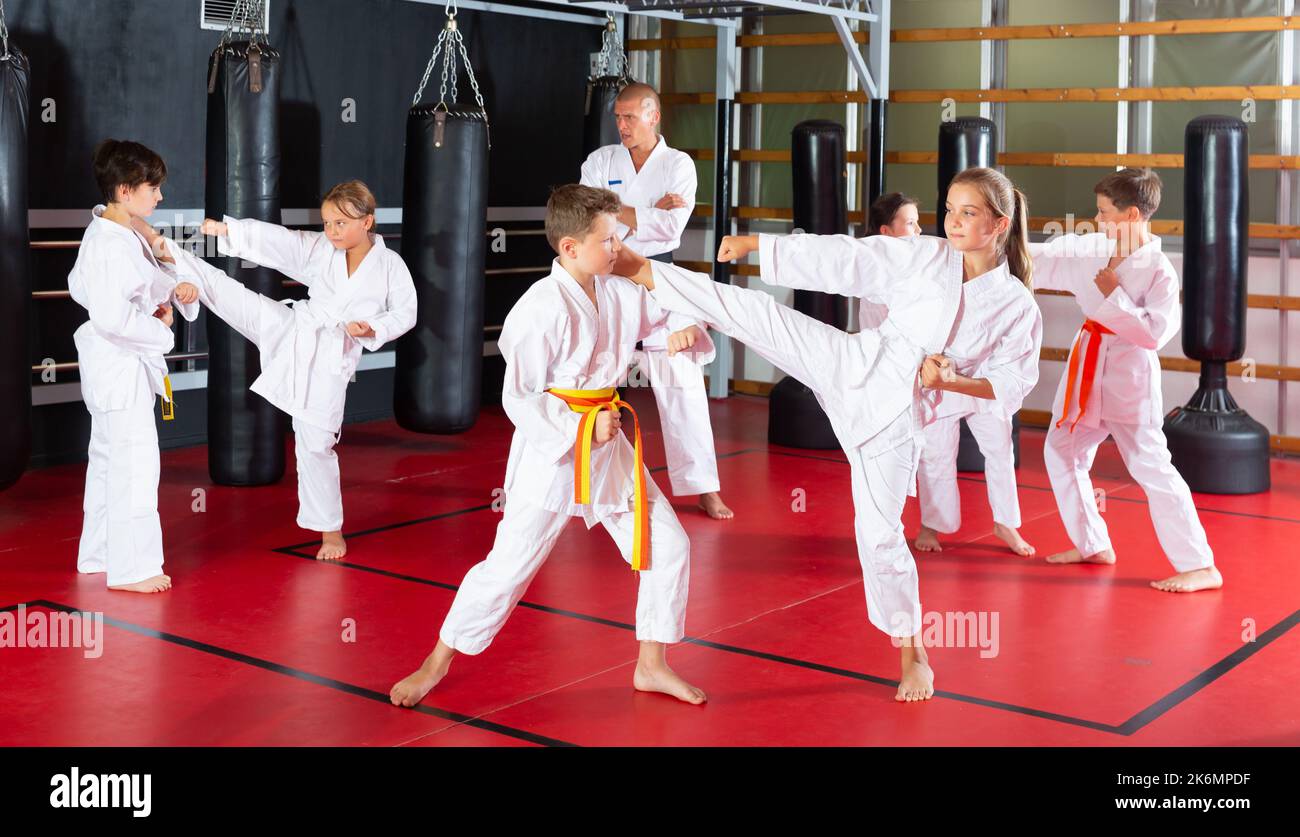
(817, 156)
(15, 269)
(245, 433)
(598, 125)
(1215, 445)
(437, 382)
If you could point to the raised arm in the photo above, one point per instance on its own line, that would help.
(1153, 323)
(866, 268)
(271, 245)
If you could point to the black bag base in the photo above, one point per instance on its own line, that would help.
(969, 457)
(796, 420)
(1219, 452)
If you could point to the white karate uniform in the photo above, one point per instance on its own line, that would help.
(867, 383)
(554, 338)
(307, 356)
(120, 357)
(1145, 313)
(998, 337)
(678, 381)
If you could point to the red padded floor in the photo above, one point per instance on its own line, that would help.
(249, 647)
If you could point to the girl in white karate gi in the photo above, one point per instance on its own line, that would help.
(1128, 292)
(866, 382)
(994, 352)
(567, 343)
(120, 349)
(359, 295)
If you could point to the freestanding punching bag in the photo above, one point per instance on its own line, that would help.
(437, 382)
(1215, 445)
(245, 433)
(794, 418)
(968, 142)
(15, 269)
(603, 87)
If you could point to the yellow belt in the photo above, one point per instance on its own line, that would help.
(590, 402)
(168, 405)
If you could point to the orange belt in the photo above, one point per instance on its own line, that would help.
(1096, 330)
(590, 402)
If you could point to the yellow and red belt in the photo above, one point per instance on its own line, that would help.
(591, 402)
(1095, 331)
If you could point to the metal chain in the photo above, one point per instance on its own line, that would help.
(4, 32)
(248, 14)
(450, 46)
(611, 47)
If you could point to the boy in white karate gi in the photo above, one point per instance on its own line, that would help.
(655, 185)
(120, 349)
(567, 343)
(1129, 293)
(359, 295)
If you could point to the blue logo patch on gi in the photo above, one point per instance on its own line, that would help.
(615, 183)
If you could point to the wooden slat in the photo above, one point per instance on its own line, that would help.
(1265, 92)
(1181, 364)
(761, 155)
(1208, 26)
(1231, 93)
(1094, 160)
(1045, 31)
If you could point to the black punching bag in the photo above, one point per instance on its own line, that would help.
(15, 269)
(794, 418)
(598, 125)
(437, 382)
(245, 433)
(968, 142)
(1215, 445)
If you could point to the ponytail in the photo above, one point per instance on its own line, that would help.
(1019, 262)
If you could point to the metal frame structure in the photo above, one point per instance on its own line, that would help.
(871, 71)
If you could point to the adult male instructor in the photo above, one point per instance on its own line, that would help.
(656, 185)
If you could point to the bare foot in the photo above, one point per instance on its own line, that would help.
(332, 547)
(157, 584)
(714, 507)
(917, 682)
(662, 679)
(927, 540)
(1072, 556)
(1189, 582)
(411, 689)
(1011, 538)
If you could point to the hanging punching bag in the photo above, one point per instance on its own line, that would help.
(15, 269)
(794, 418)
(968, 142)
(444, 215)
(598, 126)
(1215, 445)
(245, 433)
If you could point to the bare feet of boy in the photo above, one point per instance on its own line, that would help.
(927, 540)
(653, 675)
(411, 689)
(1189, 582)
(157, 584)
(1072, 556)
(332, 547)
(917, 680)
(1011, 538)
(714, 507)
